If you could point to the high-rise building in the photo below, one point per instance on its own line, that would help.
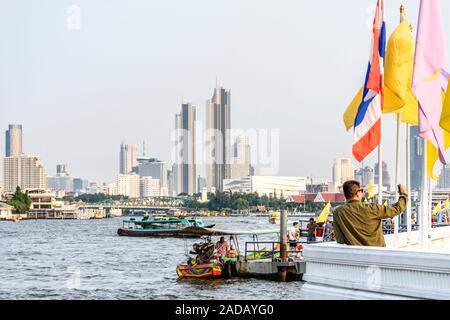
(150, 187)
(386, 177)
(13, 141)
(62, 181)
(342, 170)
(364, 175)
(25, 171)
(80, 185)
(218, 145)
(444, 177)
(201, 183)
(188, 115)
(154, 168)
(177, 167)
(416, 160)
(128, 157)
(241, 163)
(109, 189)
(61, 170)
(129, 185)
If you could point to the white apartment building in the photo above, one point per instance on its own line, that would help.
(25, 171)
(128, 185)
(266, 185)
(150, 187)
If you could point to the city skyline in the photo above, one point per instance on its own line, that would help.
(66, 76)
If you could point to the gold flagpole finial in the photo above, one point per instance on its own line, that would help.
(402, 9)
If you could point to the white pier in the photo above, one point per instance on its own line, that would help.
(400, 271)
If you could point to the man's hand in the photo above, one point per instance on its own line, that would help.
(401, 188)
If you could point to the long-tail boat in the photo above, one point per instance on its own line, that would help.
(165, 227)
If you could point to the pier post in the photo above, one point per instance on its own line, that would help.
(283, 246)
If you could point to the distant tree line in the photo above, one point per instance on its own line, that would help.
(237, 201)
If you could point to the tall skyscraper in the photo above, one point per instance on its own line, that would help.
(178, 165)
(416, 160)
(241, 163)
(62, 181)
(444, 177)
(128, 157)
(185, 157)
(218, 148)
(342, 170)
(188, 160)
(154, 168)
(80, 185)
(13, 141)
(25, 171)
(386, 176)
(364, 175)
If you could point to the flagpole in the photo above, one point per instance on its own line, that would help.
(397, 149)
(380, 175)
(408, 177)
(408, 183)
(424, 205)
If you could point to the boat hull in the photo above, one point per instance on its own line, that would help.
(157, 233)
(152, 233)
(204, 271)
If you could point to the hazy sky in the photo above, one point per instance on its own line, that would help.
(291, 65)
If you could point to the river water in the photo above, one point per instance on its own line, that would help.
(86, 259)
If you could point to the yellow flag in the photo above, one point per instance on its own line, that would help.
(324, 214)
(437, 208)
(445, 115)
(398, 96)
(447, 204)
(432, 153)
(371, 188)
(386, 203)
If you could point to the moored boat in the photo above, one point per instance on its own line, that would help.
(207, 270)
(166, 227)
(206, 263)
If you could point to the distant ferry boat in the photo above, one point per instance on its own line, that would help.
(163, 227)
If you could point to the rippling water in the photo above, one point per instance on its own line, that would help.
(86, 259)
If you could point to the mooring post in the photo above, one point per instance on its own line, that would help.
(283, 246)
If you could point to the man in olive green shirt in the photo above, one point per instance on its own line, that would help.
(359, 224)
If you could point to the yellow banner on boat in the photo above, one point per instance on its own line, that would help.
(324, 214)
(437, 208)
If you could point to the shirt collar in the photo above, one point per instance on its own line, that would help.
(352, 201)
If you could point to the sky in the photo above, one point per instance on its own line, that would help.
(82, 76)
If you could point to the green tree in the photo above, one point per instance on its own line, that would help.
(21, 201)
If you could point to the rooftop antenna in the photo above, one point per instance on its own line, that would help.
(143, 148)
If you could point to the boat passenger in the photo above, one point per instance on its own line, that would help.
(360, 224)
(311, 226)
(221, 247)
(293, 236)
(232, 253)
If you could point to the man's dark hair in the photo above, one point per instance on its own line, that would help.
(351, 188)
(311, 219)
(295, 223)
